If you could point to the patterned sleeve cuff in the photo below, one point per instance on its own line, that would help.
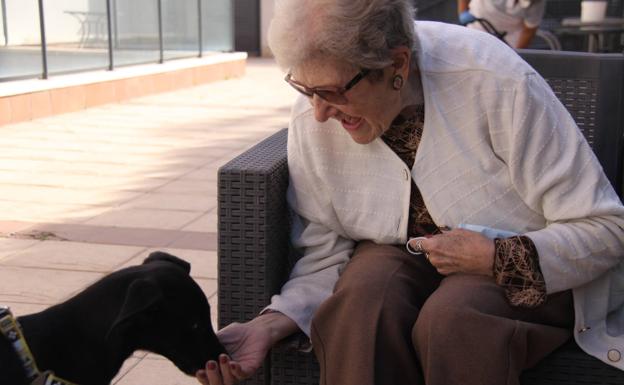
(516, 268)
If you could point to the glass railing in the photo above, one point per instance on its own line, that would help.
(39, 38)
(20, 46)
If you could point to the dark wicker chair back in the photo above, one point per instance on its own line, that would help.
(591, 86)
(254, 254)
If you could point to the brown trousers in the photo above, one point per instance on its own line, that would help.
(394, 320)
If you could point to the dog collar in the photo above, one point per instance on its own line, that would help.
(11, 329)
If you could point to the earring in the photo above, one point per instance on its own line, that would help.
(397, 82)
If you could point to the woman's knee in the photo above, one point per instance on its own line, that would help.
(459, 302)
(438, 321)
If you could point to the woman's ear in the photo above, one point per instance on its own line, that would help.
(401, 57)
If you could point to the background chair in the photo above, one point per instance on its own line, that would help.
(544, 39)
(254, 252)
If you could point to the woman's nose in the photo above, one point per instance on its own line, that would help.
(323, 110)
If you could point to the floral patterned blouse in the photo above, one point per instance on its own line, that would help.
(516, 267)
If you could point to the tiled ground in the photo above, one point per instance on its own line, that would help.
(86, 193)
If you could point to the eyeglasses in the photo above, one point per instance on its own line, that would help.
(334, 95)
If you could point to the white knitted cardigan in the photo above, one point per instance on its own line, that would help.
(498, 150)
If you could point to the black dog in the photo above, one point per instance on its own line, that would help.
(155, 306)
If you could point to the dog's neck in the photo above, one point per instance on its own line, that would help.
(76, 331)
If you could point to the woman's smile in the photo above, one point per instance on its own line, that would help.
(351, 123)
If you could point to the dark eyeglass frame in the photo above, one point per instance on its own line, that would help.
(334, 95)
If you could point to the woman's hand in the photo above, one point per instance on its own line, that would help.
(460, 251)
(248, 344)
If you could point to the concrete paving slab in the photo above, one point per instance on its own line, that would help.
(66, 196)
(35, 179)
(194, 202)
(209, 172)
(10, 247)
(47, 212)
(127, 366)
(41, 286)
(203, 262)
(207, 222)
(214, 303)
(195, 240)
(22, 308)
(155, 371)
(187, 185)
(208, 286)
(120, 235)
(73, 256)
(146, 218)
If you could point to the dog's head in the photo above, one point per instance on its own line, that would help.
(166, 312)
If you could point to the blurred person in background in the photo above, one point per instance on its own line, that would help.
(518, 20)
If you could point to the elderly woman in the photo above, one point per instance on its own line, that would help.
(444, 138)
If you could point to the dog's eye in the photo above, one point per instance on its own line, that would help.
(195, 326)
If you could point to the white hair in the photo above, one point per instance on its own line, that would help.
(358, 32)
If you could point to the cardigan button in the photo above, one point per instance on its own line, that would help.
(406, 174)
(614, 355)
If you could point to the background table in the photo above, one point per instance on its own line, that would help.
(596, 32)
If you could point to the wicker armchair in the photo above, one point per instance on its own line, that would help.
(254, 253)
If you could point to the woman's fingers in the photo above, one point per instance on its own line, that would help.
(212, 373)
(231, 371)
(460, 251)
(201, 377)
(226, 372)
(238, 371)
(443, 264)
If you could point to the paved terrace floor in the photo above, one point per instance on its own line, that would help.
(87, 193)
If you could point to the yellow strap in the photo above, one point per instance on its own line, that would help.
(54, 380)
(11, 330)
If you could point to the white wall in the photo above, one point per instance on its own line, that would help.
(61, 25)
(69, 21)
(266, 13)
(23, 28)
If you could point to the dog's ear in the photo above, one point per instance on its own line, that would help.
(162, 256)
(141, 295)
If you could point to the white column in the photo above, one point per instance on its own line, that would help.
(266, 13)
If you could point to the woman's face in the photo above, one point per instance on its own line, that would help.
(371, 104)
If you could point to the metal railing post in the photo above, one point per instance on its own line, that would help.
(5, 28)
(44, 48)
(199, 24)
(109, 19)
(160, 33)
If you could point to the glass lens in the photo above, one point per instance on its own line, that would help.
(300, 88)
(332, 96)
